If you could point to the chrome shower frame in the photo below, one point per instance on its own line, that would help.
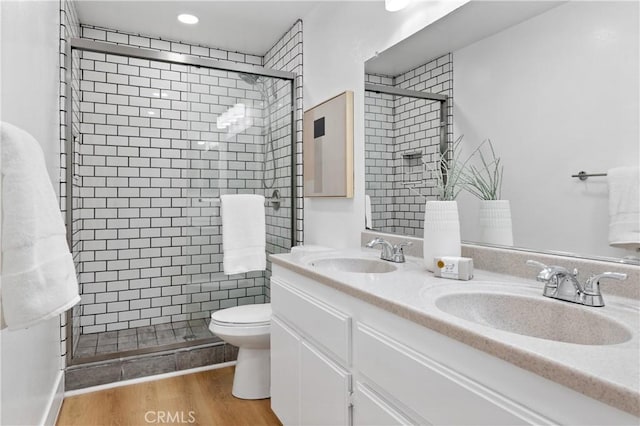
(78, 44)
(443, 99)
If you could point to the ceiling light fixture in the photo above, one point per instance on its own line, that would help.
(395, 5)
(186, 18)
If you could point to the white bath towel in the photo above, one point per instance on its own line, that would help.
(38, 275)
(368, 221)
(624, 207)
(243, 233)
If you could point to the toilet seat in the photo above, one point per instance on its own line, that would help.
(243, 316)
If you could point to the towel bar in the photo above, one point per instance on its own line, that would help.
(273, 201)
(582, 175)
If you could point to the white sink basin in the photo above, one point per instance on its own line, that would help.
(353, 265)
(536, 317)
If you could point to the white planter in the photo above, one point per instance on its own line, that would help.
(495, 222)
(441, 231)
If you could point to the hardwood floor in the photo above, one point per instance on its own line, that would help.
(194, 399)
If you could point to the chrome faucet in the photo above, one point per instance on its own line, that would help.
(390, 252)
(562, 284)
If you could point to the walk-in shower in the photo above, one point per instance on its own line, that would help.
(154, 139)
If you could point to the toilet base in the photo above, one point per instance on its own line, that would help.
(252, 379)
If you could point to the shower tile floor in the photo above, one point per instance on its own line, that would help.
(90, 345)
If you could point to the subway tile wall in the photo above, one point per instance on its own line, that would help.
(150, 157)
(285, 55)
(402, 136)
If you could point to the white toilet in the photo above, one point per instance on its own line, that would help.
(249, 328)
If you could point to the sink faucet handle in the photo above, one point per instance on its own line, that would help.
(549, 271)
(375, 241)
(593, 283)
(549, 274)
(398, 253)
(544, 271)
(536, 264)
(399, 246)
(612, 275)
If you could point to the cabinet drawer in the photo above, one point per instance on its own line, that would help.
(430, 389)
(330, 328)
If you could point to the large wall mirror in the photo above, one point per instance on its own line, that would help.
(553, 85)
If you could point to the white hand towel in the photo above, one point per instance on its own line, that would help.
(38, 276)
(368, 222)
(624, 207)
(243, 233)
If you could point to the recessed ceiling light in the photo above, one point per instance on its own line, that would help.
(395, 5)
(186, 18)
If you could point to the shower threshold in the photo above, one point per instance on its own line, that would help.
(142, 340)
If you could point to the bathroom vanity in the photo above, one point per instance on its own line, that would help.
(356, 341)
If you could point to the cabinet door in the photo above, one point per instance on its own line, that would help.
(371, 409)
(324, 389)
(285, 373)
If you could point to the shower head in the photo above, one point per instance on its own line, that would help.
(251, 79)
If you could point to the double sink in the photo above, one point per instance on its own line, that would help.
(505, 306)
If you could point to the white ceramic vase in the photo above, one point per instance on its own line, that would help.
(441, 231)
(495, 222)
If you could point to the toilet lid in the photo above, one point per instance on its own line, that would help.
(257, 314)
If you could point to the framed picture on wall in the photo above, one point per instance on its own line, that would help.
(327, 146)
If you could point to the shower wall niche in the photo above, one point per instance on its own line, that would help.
(158, 143)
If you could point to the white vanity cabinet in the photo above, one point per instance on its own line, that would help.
(338, 360)
(310, 353)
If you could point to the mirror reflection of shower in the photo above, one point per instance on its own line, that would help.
(267, 91)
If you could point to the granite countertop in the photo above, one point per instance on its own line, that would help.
(411, 292)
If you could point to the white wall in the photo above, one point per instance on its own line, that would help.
(30, 360)
(556, 94)
(338, 38)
